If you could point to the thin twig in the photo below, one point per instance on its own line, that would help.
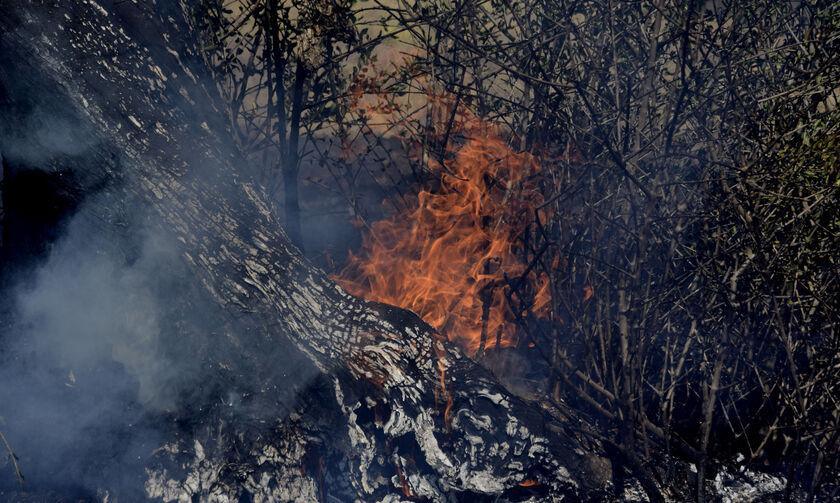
(14, 459)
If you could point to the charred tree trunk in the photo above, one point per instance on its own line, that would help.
(396, 413)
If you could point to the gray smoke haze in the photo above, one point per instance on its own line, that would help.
(108, 339)
(95, 347)
(43, 135)
(81, 362)
(87, 304)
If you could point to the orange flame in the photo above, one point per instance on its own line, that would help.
(451, 255)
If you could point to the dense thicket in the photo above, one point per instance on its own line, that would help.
(689, 226)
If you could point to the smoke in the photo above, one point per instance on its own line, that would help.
(100, 335)
(96, 349)
(78, 358)
(108, 343)
(89, 302)
(45, 134)
(96, 334)
(107, 340)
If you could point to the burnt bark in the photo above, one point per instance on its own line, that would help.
(396, 413)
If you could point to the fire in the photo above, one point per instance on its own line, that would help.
(452, 255)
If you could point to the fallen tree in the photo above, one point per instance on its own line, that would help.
(397, 412)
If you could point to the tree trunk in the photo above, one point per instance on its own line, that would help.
(397, 412)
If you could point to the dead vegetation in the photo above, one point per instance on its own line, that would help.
(686, 221)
